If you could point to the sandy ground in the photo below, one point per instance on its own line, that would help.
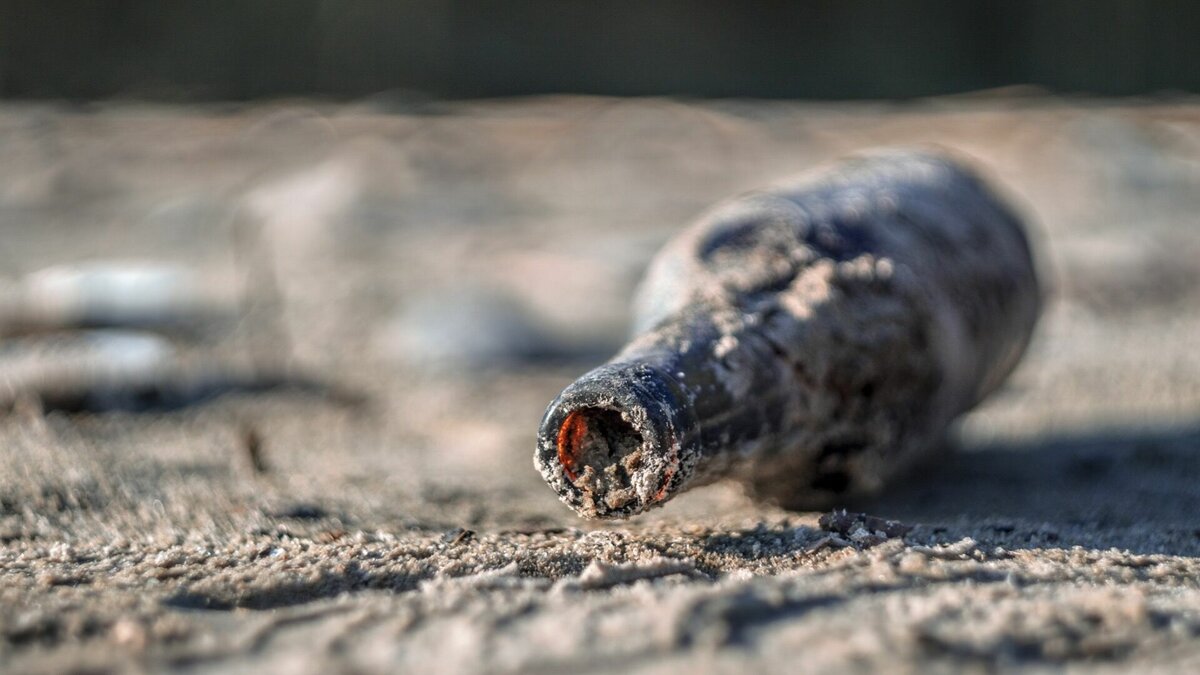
(454, 266)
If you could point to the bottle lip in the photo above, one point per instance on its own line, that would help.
(652, 406)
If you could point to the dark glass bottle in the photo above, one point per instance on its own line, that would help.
(810, 340)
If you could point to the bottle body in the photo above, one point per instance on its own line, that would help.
(810, 340)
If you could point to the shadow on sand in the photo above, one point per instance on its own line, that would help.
(1124, 488)
(1135, 490)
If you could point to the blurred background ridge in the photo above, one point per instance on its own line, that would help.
(823, 49)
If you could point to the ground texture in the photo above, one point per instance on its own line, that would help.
(444, 270)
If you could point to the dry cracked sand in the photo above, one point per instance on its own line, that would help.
(454, 266)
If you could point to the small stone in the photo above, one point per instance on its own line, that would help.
(129, 633)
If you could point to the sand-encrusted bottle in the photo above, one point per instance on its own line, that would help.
(810, 340)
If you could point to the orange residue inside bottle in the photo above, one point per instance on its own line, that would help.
(570, 437)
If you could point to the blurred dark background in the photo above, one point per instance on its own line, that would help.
(841, 49)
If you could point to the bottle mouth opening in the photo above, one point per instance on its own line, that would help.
(610, 444)
(601, 452)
